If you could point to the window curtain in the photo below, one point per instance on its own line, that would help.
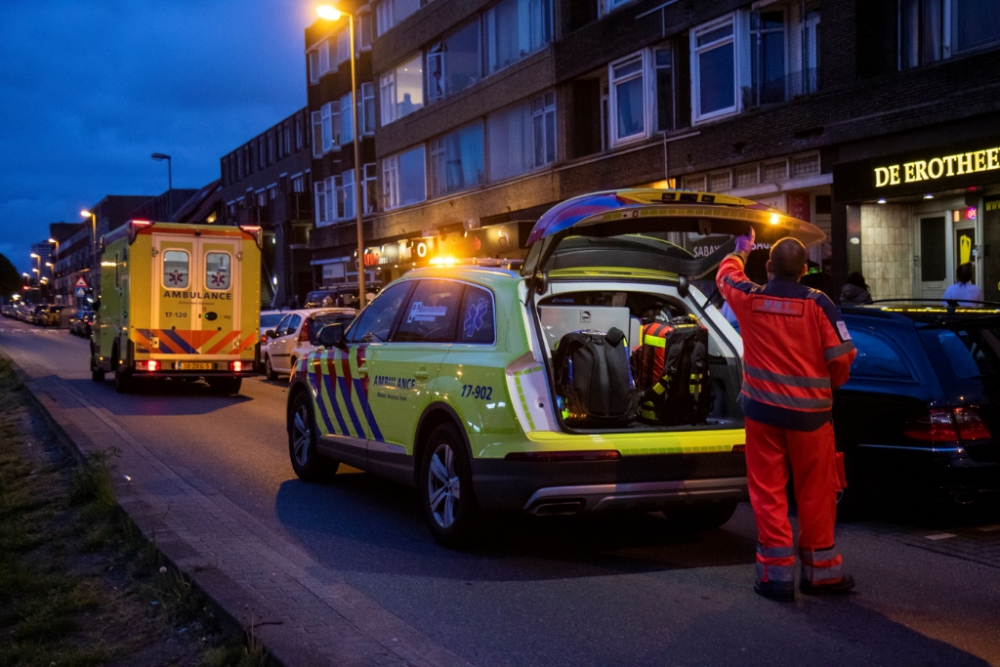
(974, 23)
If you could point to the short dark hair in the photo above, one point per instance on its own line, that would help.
(788, 258)
(964, 273)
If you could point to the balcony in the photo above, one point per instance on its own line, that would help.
(780, 89)
(299, 206)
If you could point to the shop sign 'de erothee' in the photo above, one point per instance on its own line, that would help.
(958, 164)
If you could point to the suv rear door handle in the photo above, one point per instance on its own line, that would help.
(421, 375)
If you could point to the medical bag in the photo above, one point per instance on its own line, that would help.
(672, 375)
(593, 379)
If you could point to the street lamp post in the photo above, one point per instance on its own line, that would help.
(170, 180)
(329, 13)
(52, 270)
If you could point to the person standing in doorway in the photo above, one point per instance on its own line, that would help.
(796, 350)
(964, 291)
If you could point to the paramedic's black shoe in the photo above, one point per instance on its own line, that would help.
(780, 591)
(842, 587)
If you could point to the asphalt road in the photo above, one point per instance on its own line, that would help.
(623, 591)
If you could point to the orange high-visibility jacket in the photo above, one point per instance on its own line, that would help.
(796, 349)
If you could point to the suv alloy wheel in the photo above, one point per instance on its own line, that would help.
(446, 488)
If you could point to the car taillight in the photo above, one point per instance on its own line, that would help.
(949, 426)
(970, 424)
(304, 332)
(239, 366)
(151, 365)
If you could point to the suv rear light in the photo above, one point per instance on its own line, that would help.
(151, 365)
(949, 426)
(239, 366)
(304, 332)
(970, 424)
(562, 457)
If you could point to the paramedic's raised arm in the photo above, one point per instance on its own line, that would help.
(731, 280)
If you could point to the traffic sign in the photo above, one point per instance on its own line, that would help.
(81, 283)
(81, 291)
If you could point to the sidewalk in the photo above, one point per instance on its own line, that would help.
(302, 612)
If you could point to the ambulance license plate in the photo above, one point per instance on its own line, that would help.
(195, 366)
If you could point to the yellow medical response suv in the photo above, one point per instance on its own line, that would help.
(599, 378)
(178, 301)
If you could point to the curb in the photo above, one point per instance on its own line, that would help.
(209, 584)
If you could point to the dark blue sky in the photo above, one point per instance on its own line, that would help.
(90, 88)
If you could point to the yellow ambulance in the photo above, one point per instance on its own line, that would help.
(178, 301)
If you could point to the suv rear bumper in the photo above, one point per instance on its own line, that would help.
(634, 483)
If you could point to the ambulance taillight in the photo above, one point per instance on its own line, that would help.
(239, 366)
(151, 365)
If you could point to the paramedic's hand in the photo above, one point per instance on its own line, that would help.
(744, 244)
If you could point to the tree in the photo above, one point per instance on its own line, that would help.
(10, 279)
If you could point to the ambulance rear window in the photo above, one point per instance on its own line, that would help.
(175, 268)
(217, 270)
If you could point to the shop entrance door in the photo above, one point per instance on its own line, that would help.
(934, 255)
(965, 242)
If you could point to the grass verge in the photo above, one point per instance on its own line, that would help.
(80, 585)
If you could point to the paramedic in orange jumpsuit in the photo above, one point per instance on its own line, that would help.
(796, 351)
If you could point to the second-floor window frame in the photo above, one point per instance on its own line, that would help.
(718, 40)
(630, 86)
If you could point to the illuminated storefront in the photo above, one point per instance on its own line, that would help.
(913, 218)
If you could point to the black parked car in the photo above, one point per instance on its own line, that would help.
(920, 417)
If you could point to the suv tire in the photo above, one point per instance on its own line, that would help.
(309, 465)
(269, 370)
(446, 493)
(123, 377)
(96, 372)
(702, 516)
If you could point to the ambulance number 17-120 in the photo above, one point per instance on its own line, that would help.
(477, 391)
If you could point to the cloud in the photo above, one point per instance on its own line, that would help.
(89, 88)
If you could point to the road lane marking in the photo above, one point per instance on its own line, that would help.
(988, 529)
(940, 536)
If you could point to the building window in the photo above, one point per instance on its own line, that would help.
(930, 30)
(322, 202)
(543, 118)
(713, 65)
(287, 133)
(298, 134)
(609, 5)
(747, 176)
(810, 52)
(272, 192)
(371, 188)
(261, 198)
(343, 46)
(774, 171)
(402, 90)
(270, 147)
(403, 178)
(628, 99)
(313, 60)
(453, 64)
(298, 183)
(457, 160)
(363, 34)
(346, 120)
(522, 137)
(767, 59)
(367, 108)
(317, 133)
(515, 29)
(663, 63)
(389, 13)
(347, 195)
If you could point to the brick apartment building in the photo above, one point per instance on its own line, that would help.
(875, 119)
(268, 182)
(336, 195)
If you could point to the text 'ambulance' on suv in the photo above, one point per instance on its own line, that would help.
(446, 380)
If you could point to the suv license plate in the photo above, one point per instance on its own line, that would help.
(195, 366)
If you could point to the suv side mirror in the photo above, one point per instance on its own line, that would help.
(332, 335)
(270, 334)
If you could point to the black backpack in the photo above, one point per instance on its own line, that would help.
(594, 379)
(674, 379)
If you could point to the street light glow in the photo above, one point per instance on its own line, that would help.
(34, 256)
(328, 12)
(85, 213)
